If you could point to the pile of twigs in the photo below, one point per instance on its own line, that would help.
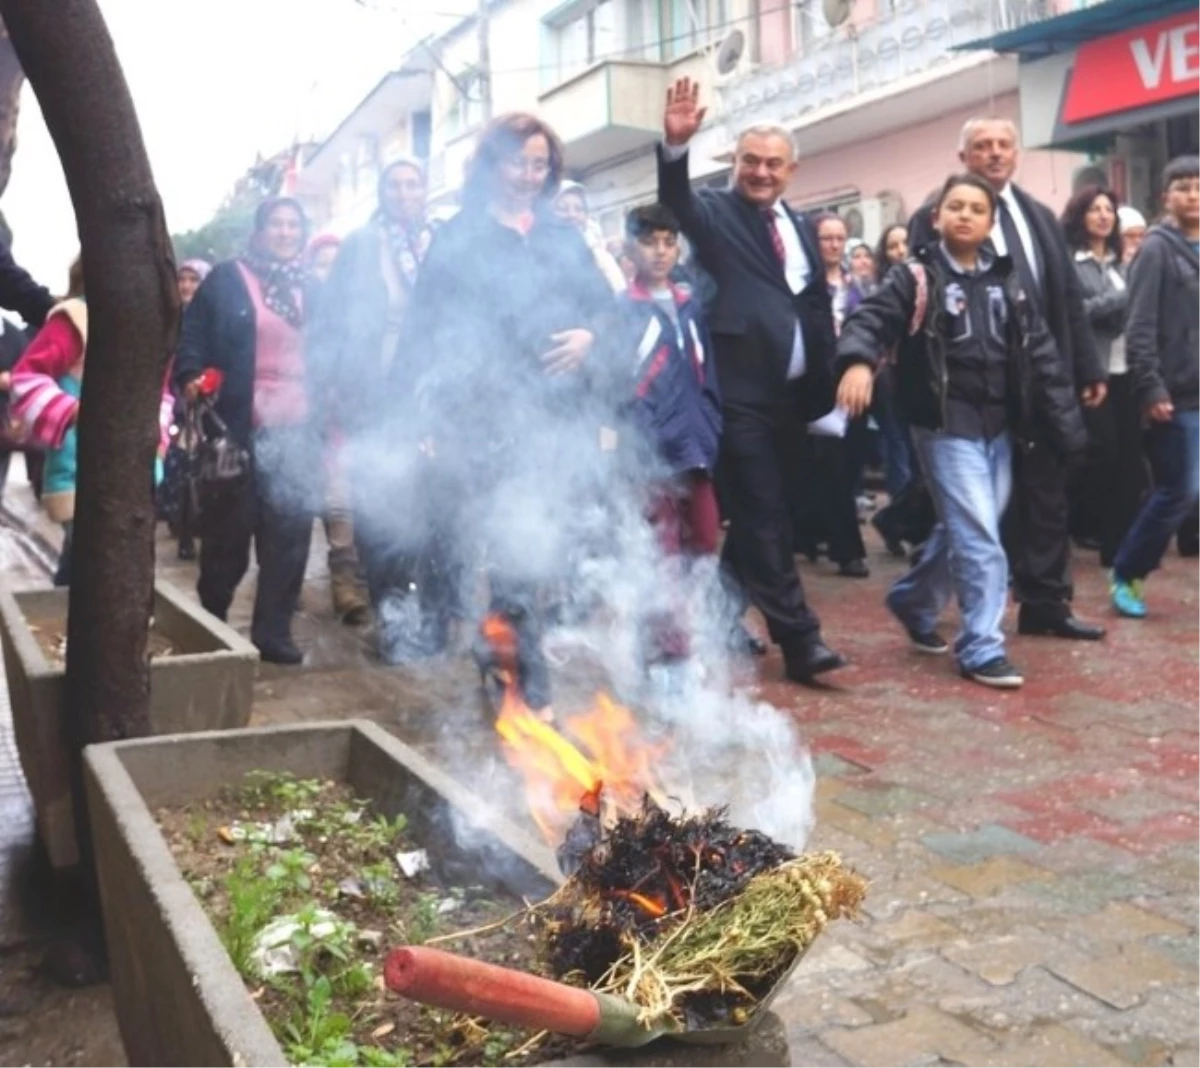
(691, 917)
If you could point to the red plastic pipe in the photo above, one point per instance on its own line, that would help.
(461, 984)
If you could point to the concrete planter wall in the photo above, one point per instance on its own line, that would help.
(207, 684)
(178, 997)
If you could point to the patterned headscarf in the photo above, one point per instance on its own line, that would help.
(407, 245)
(280, 280)
(197, 266)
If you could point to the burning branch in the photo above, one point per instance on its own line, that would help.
(691, 917)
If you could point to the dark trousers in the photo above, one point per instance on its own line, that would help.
(275, 512)
(1106, 492)
(401, 535)
(1173, 449)
(760, 450)
(5, 462)
(35, 465)
(62, 575)
(1036, 535)
(822, 498)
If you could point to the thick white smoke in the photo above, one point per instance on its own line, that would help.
(725, 747)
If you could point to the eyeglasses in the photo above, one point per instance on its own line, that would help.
(534, 166)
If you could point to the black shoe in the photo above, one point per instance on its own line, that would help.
(280, 651)
(187, 552)
(807, 662)
(854, 569)
(1058, 627)
(930, 642)
(998, 673)
(891, 538)
(743, 643)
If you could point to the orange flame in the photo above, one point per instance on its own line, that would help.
(649, 905)
(559, 778)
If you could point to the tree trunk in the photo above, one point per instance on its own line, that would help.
(12, 78)
(133, 312)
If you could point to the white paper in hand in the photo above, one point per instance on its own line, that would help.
(832, 425)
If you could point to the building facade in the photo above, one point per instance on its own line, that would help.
(1117, 79)
(876, 100)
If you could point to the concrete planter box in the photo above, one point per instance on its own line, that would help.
(207, 683)
(179, 999)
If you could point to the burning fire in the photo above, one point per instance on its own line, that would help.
(560, 778)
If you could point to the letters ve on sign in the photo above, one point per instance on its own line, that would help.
(1147, 65)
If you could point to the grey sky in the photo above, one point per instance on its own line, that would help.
(215, 81)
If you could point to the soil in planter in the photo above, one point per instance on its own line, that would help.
(51, 635)
(337, 886)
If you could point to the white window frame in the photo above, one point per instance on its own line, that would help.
(595, 49)
(706, 22)
(465, 114)
(810, 31)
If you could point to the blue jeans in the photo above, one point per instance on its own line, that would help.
(1173, 450)
(970, 482)
(893, 435)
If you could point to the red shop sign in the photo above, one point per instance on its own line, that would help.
(1147, 65)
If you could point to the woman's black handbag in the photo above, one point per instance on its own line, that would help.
(219, 470)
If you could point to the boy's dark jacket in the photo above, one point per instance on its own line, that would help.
(670, 388)
(1044, 407)
(1162, 331)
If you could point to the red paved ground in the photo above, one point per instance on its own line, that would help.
(1032, 855)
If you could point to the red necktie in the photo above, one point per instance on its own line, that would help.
(772, 221)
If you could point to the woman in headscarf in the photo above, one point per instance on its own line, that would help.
(353, 347)
(174, 504)
(246, 322)
(503, 359)
(571, 205)
(321, 255)
(188, 278)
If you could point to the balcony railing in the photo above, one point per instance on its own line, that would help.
(914, 37)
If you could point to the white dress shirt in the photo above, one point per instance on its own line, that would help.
(1022, 224)
(796, 268)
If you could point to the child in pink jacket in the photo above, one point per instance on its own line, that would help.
(46, 385)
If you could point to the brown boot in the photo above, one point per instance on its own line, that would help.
(350, 602)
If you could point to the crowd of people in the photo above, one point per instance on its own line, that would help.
(450, 399)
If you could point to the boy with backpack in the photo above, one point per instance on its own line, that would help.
(1162, 346)
(673, 403)
(977, 376)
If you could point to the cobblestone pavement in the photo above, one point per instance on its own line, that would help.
(1032, 855)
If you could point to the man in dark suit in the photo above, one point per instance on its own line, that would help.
(1037, 533)
(771, 323)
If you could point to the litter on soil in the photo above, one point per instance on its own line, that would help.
(309, 889)
(51, 637)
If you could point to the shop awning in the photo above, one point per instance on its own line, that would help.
(1064, 32)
